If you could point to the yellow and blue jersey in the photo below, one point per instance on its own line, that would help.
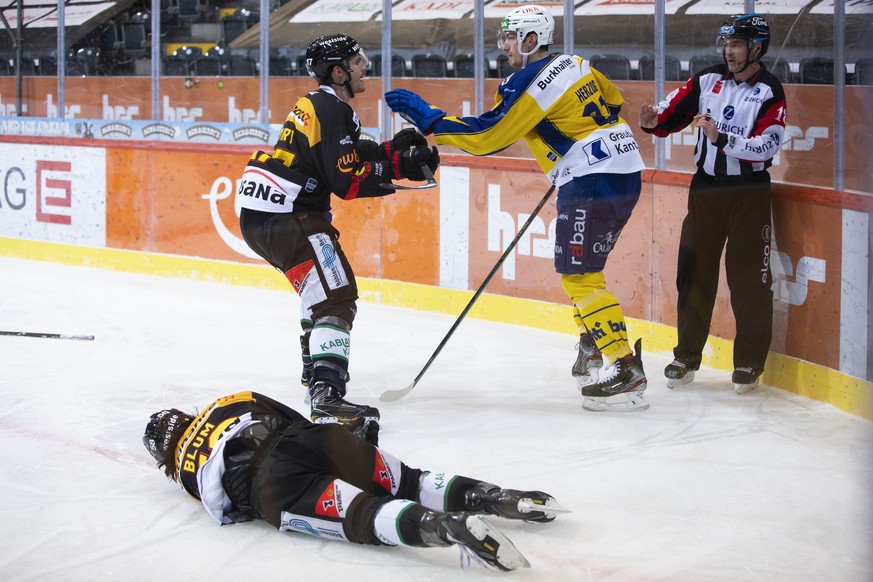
(567, 113)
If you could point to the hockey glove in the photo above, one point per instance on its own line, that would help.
(237, 482)
(407, 164)
(402, 141)
(368, 430)
(414, 109)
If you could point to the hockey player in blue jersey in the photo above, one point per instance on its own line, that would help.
(568, 114)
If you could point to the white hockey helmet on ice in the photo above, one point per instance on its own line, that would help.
(525, 20)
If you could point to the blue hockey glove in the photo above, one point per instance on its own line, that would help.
(414, 109)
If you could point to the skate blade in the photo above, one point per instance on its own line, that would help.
(507, 555)
(687, 379)
(743, 388)
(353, 423)
(550, 508)
(626, 402)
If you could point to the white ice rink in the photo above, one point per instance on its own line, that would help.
(704, 486)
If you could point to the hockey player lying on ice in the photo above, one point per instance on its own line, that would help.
(247, 456)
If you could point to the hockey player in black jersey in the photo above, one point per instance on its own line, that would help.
(739, 109)
(285, 217)
(247, 456)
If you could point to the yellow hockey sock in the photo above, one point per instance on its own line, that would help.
(598, 312)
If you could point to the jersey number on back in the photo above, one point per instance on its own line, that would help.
(595, 112)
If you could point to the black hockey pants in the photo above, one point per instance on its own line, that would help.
(736, 210)
(295, 467)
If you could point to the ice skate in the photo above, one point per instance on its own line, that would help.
(328, 406)
(533, 506)
(745, 380)
(678, 373)
(589, 361)
(621, 386)
(479, 540)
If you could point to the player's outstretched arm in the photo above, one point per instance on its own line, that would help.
(414, 109)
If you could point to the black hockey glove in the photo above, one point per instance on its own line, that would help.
(369, 431)
(408, 164)
(403, 153)
(402, 140)
(237, 482)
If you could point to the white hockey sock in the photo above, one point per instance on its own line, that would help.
(385, 524)
(329, 341)
(433, 489)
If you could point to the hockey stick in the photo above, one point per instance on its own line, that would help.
(47, 335)
(392, 395)
(428, 175)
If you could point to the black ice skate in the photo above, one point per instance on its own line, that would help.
(678, 373)
(475, 537)
(621, 385)
(534, 506)
(328, 406)
(745, 380)
(588, 361)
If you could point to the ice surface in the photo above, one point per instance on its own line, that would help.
(704, 486)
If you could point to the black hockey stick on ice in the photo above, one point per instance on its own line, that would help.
(47, 335)
(392, 395)
(428, 176)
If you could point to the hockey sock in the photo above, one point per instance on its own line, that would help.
(399, 523)
(330, 342)
(402, 522)
(358, 523)
(598, 312)
(444, 491)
